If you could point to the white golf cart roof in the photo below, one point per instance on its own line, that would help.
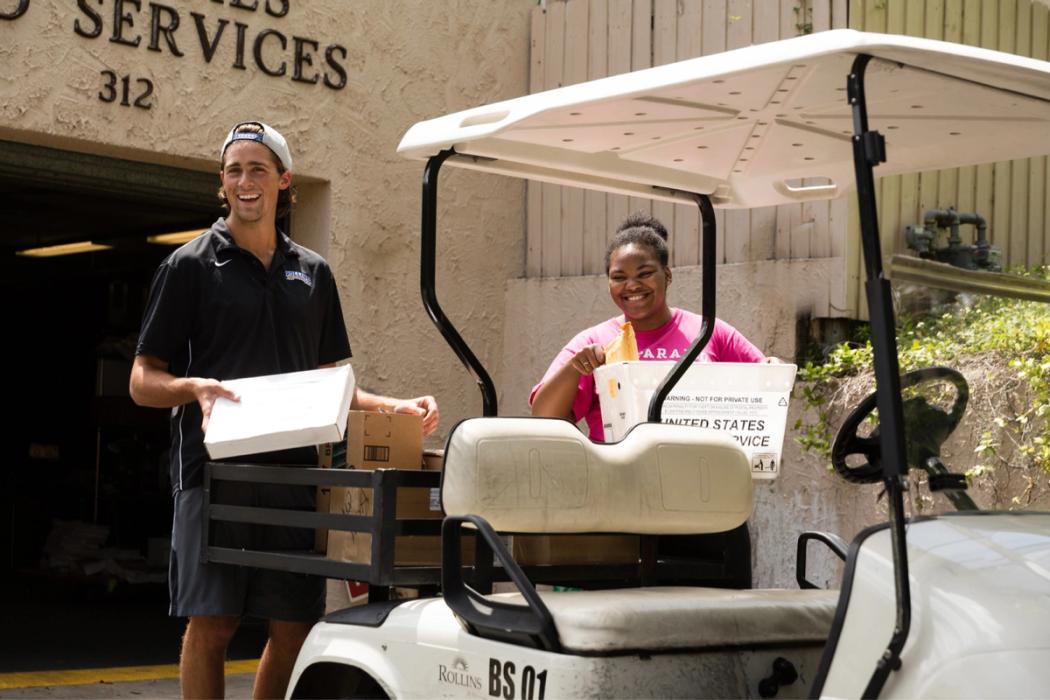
(747, 126)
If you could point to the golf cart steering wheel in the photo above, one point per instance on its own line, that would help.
(932, 427)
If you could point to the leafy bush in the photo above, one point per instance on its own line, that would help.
(1002, 345)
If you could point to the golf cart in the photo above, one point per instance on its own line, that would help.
(947, 606)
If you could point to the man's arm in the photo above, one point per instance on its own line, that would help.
(424, 406)
(153, 386)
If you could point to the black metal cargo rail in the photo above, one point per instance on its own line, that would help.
(728, 565)
(382, 524)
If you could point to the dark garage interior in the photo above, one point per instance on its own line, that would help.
(85, 501)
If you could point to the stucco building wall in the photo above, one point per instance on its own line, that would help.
(401, 61)
(359, 202)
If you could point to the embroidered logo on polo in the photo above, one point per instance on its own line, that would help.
(301, 276)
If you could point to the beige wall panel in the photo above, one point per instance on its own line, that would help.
(738, 222)
(595, 203)
(948, 180)
(665, 40)
(534, 203)
(620, 13)
(685, 243)
(641, 57)
(713, 40)
(574, 71)
(553, 71)
(818, 212)
(1037, 166)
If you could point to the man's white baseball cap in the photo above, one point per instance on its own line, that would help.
(269, 137)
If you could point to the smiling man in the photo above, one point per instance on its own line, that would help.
(241, 300)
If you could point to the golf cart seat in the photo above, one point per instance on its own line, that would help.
(527, 475)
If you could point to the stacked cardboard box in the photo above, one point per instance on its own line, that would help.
(385, 441)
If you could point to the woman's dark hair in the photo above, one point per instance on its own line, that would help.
(285, 198)
(638, 235)
(643, 218)
(640, 228)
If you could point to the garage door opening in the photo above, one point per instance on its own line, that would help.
(84, 488)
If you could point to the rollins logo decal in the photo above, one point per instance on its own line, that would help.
(458, 675)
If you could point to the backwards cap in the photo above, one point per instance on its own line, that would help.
(269, 137)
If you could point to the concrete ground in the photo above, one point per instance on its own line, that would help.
(238, 685)
(80, 639)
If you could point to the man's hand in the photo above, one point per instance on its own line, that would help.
(424, 406)
(207, 391)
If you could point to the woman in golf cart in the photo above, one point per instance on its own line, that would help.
(636, 263)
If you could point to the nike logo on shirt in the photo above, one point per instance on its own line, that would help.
(220, 264)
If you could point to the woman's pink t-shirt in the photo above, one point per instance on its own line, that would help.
(668, 342)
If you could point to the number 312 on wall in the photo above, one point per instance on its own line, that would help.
(120, 86)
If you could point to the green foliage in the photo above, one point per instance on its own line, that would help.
(992, 332)
(803, 17)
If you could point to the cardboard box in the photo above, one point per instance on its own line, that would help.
(385, 441)
(554, 550)
(281, 411)
(748, 401)
(433, 460)
(409, 550)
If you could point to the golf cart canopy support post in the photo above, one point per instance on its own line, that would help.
(428, 286)
(869, 150)
(708, 226)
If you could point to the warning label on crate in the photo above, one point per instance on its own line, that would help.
(754, 419)
(747, 401)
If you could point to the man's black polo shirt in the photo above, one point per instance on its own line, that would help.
(215, 312)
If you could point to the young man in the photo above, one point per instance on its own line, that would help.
(241, 300)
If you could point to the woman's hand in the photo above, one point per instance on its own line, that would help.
(589, 359)
(557, 394)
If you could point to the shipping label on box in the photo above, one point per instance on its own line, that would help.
(384, 440)
(748, 401)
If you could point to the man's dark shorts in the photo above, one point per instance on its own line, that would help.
(223, 589)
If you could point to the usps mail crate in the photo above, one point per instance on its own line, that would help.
(745, 400)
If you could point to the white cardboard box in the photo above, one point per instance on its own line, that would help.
(746, 400)
(281, 411)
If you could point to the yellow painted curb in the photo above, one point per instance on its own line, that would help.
(93, 676)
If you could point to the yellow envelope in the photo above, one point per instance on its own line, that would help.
(624, 347)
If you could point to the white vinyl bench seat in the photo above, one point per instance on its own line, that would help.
(542, 475)
(673, 617)
(528, 475)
